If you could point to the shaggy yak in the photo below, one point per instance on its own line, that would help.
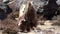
(26, 18)
(50, 9)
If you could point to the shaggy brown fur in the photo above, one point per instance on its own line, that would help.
(30, 19)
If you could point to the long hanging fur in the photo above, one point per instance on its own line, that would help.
(30, 19)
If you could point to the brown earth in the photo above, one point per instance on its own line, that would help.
(11, 23)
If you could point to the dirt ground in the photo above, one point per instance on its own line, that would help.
(10, 21)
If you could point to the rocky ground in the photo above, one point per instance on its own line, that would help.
(49, 27)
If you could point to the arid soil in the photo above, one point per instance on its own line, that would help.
(11, 23)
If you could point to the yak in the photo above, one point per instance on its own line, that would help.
(50, 9)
